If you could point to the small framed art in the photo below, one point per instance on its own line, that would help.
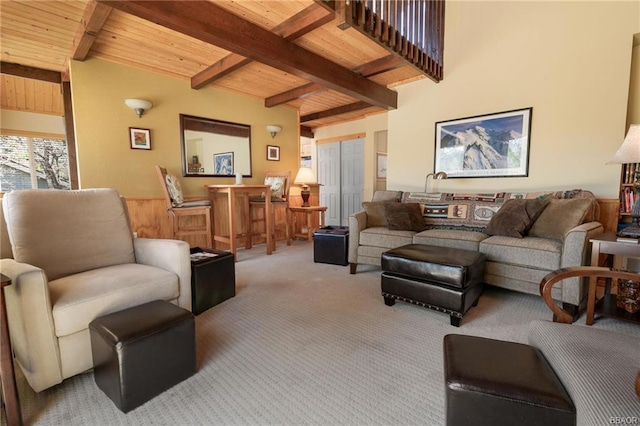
(223, 164)
(273, 153)
(140, 138)
(381, 165)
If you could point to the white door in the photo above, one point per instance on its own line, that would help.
(341, 175)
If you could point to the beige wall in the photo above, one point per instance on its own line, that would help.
(32, 122)
(570, 61)
(369, 125)
(633, 111)
(102, 121)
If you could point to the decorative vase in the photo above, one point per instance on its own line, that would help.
(629, 296)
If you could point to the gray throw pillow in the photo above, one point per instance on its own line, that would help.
(560, 216)
(404, 217)
(515, 217)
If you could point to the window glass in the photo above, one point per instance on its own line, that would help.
(30, 162)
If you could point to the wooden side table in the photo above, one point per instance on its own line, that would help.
(7, 373)
(309, 211)
(608, 244)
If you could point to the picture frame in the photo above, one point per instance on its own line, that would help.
(381, 165)
(139, 138)
(491, 145)
(223, 164)
(273, 153)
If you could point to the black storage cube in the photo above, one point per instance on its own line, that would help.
(331, 245)
(213, 278)
(140, 352)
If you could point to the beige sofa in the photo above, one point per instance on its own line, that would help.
(75, 259)
(557, 239)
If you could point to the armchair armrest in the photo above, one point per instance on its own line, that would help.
(576, 251)
(357, 222)
(29, 308)
(170, 255)
(559, 314)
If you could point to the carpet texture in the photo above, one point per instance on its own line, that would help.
(305, 343)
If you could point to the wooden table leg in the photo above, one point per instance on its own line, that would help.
(593, 283)
(309, 228)
(7, 373)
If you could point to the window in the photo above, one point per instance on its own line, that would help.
(33, 162)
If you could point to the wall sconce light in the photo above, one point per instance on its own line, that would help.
(439, 175)
(138, 105)
(273, 130)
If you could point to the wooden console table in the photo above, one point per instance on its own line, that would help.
(240, 191)
(608, 244)
(7, 372)
(309, 211)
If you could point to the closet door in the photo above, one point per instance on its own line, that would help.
(341, 174)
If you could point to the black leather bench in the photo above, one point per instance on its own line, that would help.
(498, 383)
(440, 278)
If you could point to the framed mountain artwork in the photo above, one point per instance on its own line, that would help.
(493, 145)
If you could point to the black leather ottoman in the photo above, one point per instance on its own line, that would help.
(445, 279)
(492, 382)
(142, 351)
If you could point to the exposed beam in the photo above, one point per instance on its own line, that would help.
(30, 72)
(306, 131)
(299, 24)
(212, 24)
(356, 106)
(369, 69)
(293, 94)
(94, 17)
(71, 134)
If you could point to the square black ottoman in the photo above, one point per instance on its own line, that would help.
(440, 278)
(213, 278)
(140, 352)
(498, 383)
(331, 245)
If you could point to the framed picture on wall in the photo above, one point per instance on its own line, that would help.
(381, 165)
(493, 145)
(273, 153)
(140, 138)
(223, 164)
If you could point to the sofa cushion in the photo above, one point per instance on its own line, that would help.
(597, 367)
(383, 237)
(389, 196)
(559, 216)
(468, 240)
(515, 217)
(533, 252)
(78, 230)
(376, 213)
(404, 217)
(105, 290)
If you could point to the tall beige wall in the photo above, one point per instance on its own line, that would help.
(570, 61)
(102, 122)
(633, 111)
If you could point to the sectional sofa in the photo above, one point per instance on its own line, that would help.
(518, 256)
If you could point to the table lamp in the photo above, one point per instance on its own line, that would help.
(305, 177)
(629, 152)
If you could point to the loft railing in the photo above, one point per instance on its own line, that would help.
(414, 29)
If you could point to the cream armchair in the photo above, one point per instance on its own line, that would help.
(75, 259)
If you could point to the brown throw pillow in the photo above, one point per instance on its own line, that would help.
(404, 217)
(376, 215)
(515, 217)
(560, 216)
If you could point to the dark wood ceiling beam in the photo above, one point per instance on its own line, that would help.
(212, 24)
(299, 24)
(293, 94)
(306, 131)
(369, 69)
(356, 106)
(30, 72)
(94, 17)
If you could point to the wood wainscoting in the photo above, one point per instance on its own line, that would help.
(149, 220)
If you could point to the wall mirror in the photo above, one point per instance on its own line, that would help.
(214, 148)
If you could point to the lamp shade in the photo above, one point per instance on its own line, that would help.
(629, 152)
(138, 104)
(305, 175)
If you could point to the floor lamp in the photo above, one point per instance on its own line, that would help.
(629, 152)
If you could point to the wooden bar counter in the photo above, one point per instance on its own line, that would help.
(242, 192)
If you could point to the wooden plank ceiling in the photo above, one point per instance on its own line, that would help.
(283, 51)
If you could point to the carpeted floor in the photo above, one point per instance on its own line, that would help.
(305, 343)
